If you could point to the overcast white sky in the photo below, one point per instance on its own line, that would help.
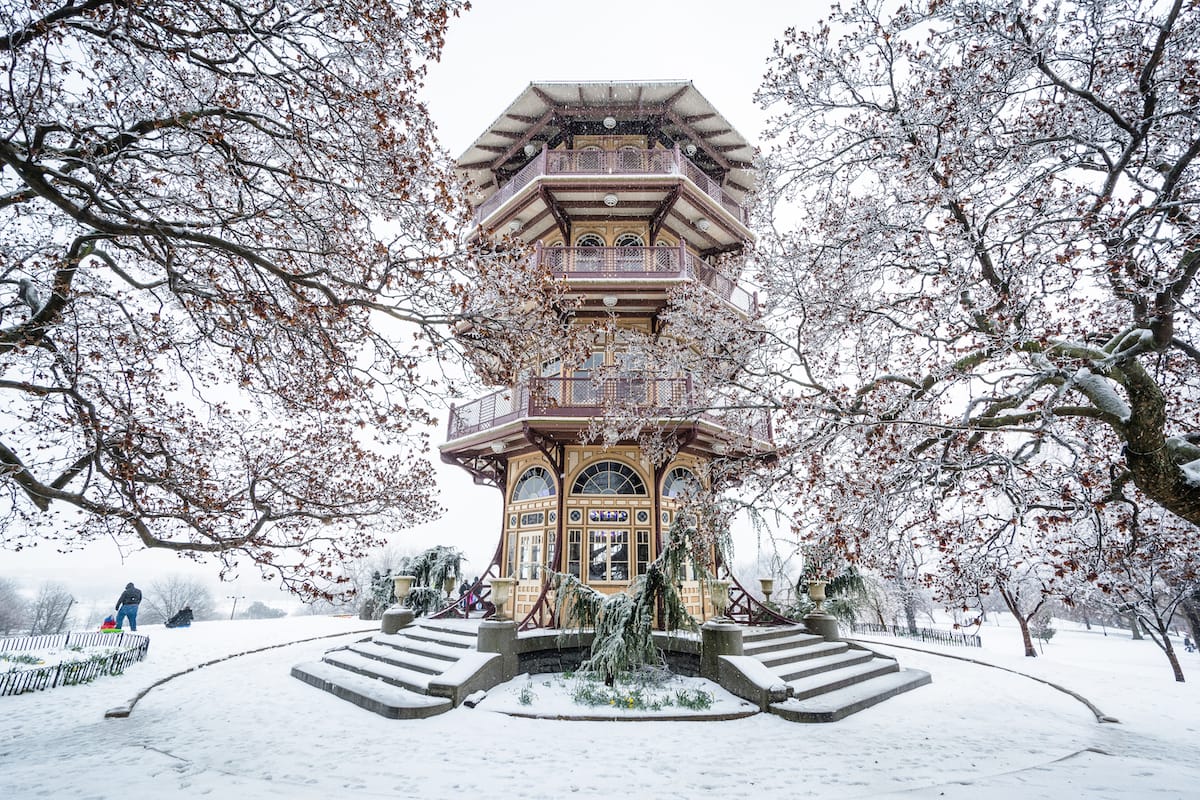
(492, 53)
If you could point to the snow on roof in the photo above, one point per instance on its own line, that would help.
(676, 106)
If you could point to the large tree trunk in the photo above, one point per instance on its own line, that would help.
(1191, 612)
(910, 611)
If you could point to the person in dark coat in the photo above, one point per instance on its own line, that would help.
(182, 618)
(127, 606)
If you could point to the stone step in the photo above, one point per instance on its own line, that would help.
(410, 679)
(453, 629)
(424, 647)
(805, 652)
(765, 633)
(814, 666)
(402, 658)
(421, 633)
(374, 695)
(833, 679)
(835, 705)
(756, 647)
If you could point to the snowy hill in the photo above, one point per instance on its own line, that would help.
(242, 728)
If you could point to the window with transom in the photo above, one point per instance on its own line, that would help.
(609, 477)
(680, 481)
(535, 482)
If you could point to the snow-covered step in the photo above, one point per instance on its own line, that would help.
(454, 638)
(813, 666)
(425, 647)
(834, 679)
(835, 705)
(757, 646)
(370, 693)
(411, 679)
(820, 649)
(401, 658)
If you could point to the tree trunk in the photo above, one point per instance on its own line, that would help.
(1169, 649)
(1136, 627)
(1191, 612)
(1022, 621)
(910, 613)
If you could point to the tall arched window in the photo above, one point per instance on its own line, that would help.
(609, 477)
(535, 482)
(680, 481)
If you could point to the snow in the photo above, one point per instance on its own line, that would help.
(1191, 471)
(1101, 392)
(244, 728)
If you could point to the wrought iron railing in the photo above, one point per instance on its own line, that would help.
(133, 648)
(923, 634)
(643, 262)
(596, 396)
(610, 162)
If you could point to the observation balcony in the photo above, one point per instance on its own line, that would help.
(621, 265)
(609, 164)
(571, 402)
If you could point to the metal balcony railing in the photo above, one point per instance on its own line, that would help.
(611, 162)
(636, 393)
(642, 262)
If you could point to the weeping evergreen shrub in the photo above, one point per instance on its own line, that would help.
(429, 569)
(624, 622)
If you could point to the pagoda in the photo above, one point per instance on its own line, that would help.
(627, 192)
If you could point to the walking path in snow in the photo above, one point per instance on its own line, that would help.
(244, 728)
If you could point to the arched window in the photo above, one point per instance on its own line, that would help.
(608, 477)
(534, 483)
(630, 240)
(590, 240)
(680, 481)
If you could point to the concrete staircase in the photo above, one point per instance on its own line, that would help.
(826, 681)
(426, 668)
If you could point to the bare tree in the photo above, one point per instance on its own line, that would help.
(50, 610)
(981, 255)
(230, 250)
(14, 612)
(260, 610)
(162, 598)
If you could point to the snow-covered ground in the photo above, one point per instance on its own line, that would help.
(243, 728)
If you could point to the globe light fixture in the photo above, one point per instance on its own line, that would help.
(610, 199)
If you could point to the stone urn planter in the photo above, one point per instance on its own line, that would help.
(816, 593)
(818, 621)
(768, 586)
(720, 599)
(397, 616)
(501, 591)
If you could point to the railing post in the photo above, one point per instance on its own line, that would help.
(683, 271)
(537, 250)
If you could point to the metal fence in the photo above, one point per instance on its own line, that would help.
(133, 649)
(923, 634)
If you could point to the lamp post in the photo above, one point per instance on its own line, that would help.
(234, 598)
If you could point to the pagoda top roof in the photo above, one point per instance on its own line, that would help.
(676, 108)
